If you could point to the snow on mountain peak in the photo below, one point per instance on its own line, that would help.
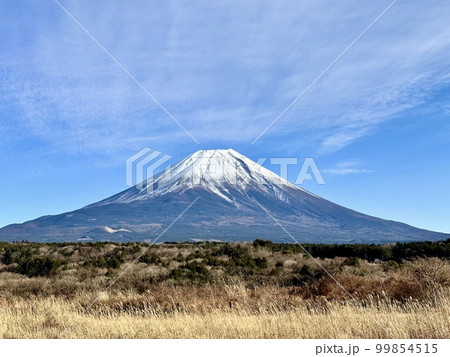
(217, 171)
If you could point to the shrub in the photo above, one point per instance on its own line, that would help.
(114, 262)
(7, 258)
(100, 263)
(193, 271)
(39, 266)
(261, 263)
(351, 261)
(305, 275)
(180, 258)
(263, 243)
(212, 261)
(432, 274)
(150, 259)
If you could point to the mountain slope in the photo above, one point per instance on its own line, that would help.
(227, 184)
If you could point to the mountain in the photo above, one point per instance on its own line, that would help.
(232, 195)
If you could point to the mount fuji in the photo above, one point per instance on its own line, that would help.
(235, 199)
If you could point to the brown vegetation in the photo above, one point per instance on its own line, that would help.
(216, 291)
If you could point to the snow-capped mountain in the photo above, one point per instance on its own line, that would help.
(221, 172)
(232, 195)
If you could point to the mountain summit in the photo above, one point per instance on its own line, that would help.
(221, 172)
(230, 190)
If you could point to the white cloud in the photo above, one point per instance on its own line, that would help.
(224, 70)
(346, 168)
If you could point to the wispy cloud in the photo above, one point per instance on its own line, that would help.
(224, 70)
(347, 168)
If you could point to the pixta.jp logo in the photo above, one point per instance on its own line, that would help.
(141, 168)
(286, 164)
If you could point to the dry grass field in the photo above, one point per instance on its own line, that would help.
(136, 317)
(218, 291)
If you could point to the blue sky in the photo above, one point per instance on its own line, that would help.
(377, 124)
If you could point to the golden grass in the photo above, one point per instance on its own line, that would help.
(49, 317)
(288, 298)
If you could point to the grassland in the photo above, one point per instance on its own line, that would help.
(214, 290)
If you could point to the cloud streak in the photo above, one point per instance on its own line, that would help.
(347, 168)
(224, 70)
